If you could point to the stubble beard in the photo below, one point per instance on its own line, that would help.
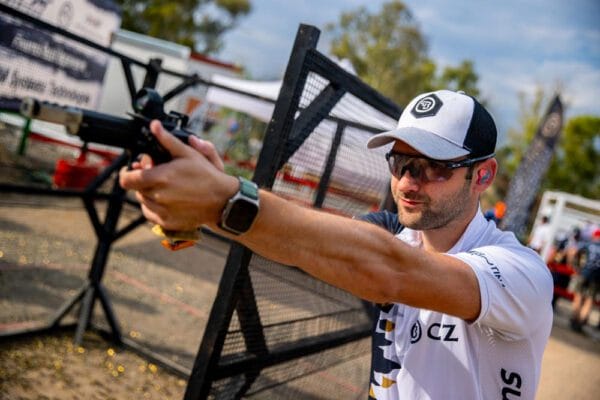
(434, 214)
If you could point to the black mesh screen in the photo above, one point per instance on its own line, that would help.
(340, 372)
(358, 179)
(294, 309)
(292, 336)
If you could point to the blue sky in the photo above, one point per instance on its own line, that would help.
(515, 45)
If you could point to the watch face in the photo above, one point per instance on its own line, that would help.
(241, 215)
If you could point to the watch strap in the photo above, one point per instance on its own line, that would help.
(248, 188)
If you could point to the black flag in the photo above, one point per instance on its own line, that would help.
(526, 181)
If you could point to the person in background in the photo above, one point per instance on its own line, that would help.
(497, 213)
(565, 248)
(586, 283)
(588, 230)
(540, 235)
(464, 308)
(561, 259)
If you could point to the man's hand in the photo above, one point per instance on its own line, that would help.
(186, 192)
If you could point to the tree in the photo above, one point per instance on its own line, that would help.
(576, 165)
(461, 77)
(389, 53)
(199, 24)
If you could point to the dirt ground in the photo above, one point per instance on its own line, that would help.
(52, 367)
(162, 301)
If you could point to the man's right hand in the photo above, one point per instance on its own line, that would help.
(186, 192)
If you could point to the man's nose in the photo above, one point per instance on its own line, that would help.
(410, 178)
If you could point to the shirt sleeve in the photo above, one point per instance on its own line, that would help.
(516, 288)
(384, 219)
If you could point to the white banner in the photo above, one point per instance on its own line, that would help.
(45, 65)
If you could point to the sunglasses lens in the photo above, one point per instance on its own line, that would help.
(437, 172)
(418, 167)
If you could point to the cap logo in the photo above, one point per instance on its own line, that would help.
(428, 106)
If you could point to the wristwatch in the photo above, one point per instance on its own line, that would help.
(241, 209)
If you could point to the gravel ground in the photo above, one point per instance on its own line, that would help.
(161, 300)
(52, 367)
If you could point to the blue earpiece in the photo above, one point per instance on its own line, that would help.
(485, 177)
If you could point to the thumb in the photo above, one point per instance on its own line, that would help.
(173, 145)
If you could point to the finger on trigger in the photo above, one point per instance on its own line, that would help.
(138, 179)
(145, 161)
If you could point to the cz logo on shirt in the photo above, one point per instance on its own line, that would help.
(436, 331)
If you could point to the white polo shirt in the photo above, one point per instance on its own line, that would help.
(422, 354)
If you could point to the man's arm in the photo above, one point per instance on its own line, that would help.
(353, 255)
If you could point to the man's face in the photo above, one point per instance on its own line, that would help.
(426, 205)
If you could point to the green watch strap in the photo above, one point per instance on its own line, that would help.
(248, 188)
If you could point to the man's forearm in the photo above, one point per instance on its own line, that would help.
(360, 258)
(332, 248)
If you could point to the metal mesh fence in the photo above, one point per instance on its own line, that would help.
(293, 308)
(358, 178)
(340, 372)
(300, 337)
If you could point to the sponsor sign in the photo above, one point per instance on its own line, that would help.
(45, 65)
(527, 180)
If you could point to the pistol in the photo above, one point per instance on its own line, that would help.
(131, 134)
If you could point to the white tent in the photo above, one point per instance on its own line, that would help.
(249, 104)
(349, 108)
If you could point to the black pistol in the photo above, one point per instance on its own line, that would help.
(131, 134)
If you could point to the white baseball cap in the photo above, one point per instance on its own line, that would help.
(444, 125)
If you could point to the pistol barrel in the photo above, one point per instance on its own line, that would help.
(70, 117)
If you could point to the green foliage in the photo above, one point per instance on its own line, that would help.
(461, 77)
(389, 52)
(199, 24)
(576, 165)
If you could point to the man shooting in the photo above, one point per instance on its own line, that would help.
(465, 309)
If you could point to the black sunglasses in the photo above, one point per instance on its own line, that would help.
(425, 168)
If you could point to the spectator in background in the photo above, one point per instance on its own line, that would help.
(572, 246)
(565, 248)
(560, 260)
(540, 235)
(497, 213)
(586, 283)
(588, 230)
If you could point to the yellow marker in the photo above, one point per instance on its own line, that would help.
(176, 240)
